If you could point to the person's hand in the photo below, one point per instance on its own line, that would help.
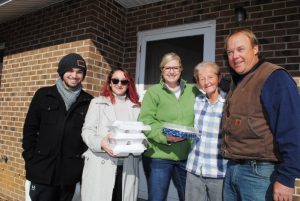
(282, 192)
(171, 138)
(105, 145)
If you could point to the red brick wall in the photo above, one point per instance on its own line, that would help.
(296, 197)
(276, 23)
(106, 35)
(34, 45)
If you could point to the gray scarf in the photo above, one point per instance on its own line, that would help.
(69, 95)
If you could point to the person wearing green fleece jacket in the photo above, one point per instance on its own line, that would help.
(170, 101)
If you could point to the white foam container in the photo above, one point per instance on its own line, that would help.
(127, 138)
(125, 150)
(128, 127)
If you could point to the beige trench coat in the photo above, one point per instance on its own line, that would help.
(99, 170)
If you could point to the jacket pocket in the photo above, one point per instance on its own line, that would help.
(40, 155)
(50, 113)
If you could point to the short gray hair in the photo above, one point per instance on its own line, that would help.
(206, 64)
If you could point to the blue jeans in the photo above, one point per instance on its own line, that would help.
(159, 173)
(250, 181)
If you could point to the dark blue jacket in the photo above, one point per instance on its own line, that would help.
(281, 100)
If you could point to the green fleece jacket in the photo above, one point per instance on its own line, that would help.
(160, 106)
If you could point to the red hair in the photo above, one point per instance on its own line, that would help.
(131, 92)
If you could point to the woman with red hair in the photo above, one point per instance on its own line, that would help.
(105, 176)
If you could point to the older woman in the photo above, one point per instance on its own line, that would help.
(206, 166)
(105, 176)
(169, 101)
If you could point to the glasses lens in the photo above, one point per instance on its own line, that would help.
(174, 68)
(116, 81)
(124, 82)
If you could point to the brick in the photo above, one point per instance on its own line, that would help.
(297, 189)
(297, 182)
(296, 198)
(285, 11)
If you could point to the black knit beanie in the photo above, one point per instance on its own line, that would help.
(69, 61)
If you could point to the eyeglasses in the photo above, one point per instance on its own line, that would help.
(174, 68)
(116, 81)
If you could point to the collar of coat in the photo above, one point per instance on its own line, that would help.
(106, 100)
(83, 96)
(182, 84)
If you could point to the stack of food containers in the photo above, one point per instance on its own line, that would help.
(127, 137)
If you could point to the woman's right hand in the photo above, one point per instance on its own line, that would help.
(105, 145)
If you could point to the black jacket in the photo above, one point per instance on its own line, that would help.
(52, 140)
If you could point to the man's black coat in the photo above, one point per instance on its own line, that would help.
(52, 140)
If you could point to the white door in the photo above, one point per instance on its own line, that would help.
(193, 42)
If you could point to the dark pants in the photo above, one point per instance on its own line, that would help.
(117, 192)
(41, 192)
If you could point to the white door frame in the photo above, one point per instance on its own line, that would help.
(206, 28)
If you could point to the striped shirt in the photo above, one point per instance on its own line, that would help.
(205, 155)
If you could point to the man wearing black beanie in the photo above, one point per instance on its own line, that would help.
(52, 143)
